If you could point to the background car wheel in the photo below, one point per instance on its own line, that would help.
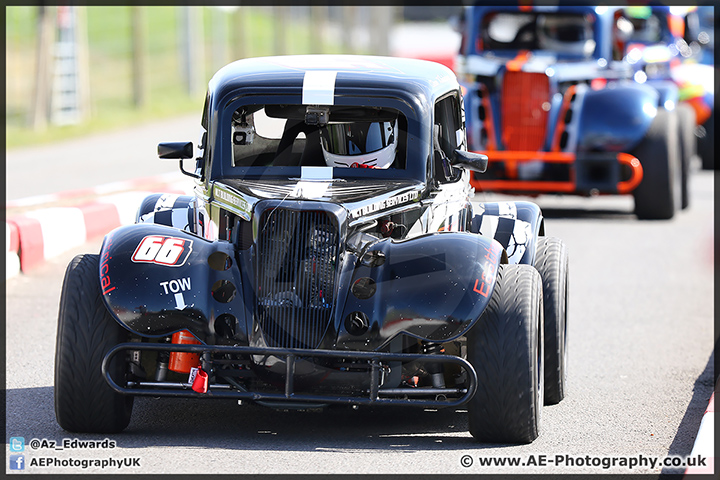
(551, 261)
(506, 349)
(658, 195)
(84, 402)
(706, 143)
(688, 147)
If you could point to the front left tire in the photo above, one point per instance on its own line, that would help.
(84, 402)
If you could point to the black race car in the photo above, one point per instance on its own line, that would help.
(330, 255)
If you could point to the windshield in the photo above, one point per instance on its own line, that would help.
(562, 33)
(318, 136)
(641, 25)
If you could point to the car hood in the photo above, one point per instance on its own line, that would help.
(334, 190)
(359, 196)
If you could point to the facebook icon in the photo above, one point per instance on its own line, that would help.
(17, 462)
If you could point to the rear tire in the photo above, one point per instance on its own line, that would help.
(551, 261)
(506, 349)
(84, 402)
(688, 147)
(706, 143)
(658, 195)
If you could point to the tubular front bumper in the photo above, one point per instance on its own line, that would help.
(582, 179)
(440, 397)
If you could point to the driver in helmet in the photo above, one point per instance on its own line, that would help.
(359, 144)
(566, 34)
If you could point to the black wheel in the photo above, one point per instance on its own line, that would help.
(506, 349)
(706, 142)
(688, 148)
(551, 262)
(84, 402)
(658, 195)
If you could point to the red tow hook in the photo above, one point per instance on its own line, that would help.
(199, 380)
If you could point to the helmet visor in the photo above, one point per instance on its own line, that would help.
(357, 138)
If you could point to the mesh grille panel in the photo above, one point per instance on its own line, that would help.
(297, 253)
(524, 121)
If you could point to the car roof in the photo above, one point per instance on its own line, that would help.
(422, 79)
(408, 85)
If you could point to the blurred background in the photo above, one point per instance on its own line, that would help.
(73, 70)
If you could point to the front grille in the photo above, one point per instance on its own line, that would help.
(525, 105)
(296, 273)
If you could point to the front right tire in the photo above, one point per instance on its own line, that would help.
(659, 194)
(505, 347)
(551, 261)
(84, 402)
(688, 148)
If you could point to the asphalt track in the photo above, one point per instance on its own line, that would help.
(640, 352)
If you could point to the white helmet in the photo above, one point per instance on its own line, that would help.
(359, 144)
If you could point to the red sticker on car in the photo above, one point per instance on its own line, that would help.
(168, 251)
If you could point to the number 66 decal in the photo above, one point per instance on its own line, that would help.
(168, 251)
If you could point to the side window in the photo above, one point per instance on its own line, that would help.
(448, 135)
(202, 149)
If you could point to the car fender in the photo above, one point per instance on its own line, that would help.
(668, 93)
(615, 118)
(433, 287)
(157, 280)
(515, 225)
(169, 209)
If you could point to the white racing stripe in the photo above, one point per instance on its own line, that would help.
(316, 173)
(166, 201)
(507, 209)
(488, 227)
(313, 182)
(310, 190)
(319, 87)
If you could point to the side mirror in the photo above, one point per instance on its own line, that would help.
(476, 162)
(175, 150)
(457, 21)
